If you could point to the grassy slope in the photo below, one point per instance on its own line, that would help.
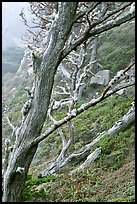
(110, 178)
(119, 47)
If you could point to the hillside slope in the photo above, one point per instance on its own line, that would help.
(110, 178)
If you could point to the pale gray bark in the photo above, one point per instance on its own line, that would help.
(108, 91)
(45, 64)
(24, 62)
(23, 154)
(90, 159)
(61, 161)
(75, 83)
(93, 30)
(84, 152)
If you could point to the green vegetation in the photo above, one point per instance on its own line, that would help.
(31, 182)
(87, 126)
(115, 149)
(16, 103)
(117, 47)
(110, 178)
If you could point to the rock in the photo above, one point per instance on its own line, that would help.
(101, 77)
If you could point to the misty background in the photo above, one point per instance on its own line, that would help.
(13, 28)
(14, 34)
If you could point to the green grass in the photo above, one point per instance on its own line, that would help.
(86, 186)
(28, 193)
(89, 185)
(117, 46)
(101, 117)
(116, 148)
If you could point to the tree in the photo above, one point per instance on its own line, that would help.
(56, 45)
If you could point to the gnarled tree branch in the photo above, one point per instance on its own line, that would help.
(106, 93)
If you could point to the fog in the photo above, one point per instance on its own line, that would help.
(13, 28)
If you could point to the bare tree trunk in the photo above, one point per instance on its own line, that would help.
(90, 159)
(119, 126)
(15, 176)
(45, 65)
(92, 66)
(84, 152)
(75, 93)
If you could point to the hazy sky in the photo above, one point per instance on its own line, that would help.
(12, 26)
